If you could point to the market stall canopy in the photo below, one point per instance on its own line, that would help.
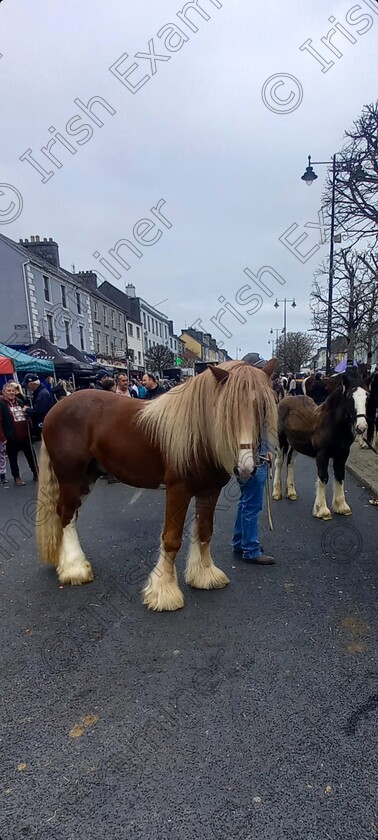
(64, 364)
(24, 363)
(6, 366)
(81, 356)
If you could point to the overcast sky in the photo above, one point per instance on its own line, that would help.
(198, 134)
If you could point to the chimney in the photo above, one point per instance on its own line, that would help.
(47, 250)
(87, 278)
(130, 290)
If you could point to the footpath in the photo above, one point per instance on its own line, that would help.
(363, 466)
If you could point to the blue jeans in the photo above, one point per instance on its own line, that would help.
(246, 533)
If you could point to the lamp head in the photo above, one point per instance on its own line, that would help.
(276, 305)
(309, 176)
(293, 304)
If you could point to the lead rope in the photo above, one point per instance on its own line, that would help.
(268, 490)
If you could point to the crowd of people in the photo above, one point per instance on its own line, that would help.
(23, 410)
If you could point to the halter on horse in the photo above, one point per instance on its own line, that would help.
(321, 432)
(190, 440)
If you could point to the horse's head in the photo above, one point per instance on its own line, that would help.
(355, 389)
(254, 416)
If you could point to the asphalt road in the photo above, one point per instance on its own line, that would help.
(251, 714)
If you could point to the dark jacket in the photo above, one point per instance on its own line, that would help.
(318, 392)
(42, 402)
(154, 392)
(7, 426)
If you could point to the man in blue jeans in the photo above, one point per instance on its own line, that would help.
(246, 533)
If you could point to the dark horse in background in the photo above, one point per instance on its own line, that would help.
(372, 410)
(371, 383)
(321, 432)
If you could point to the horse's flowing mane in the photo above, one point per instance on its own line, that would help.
(205, 419)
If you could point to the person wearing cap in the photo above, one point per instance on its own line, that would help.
(14, 432)
(42, 401)
(101, 376)
(246, 532)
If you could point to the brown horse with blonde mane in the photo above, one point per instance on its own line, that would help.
(189, 440)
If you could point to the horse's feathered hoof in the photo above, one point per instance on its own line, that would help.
(322, 513)
(343, 511)
(292, 496)
(162, 594)
(277, 495)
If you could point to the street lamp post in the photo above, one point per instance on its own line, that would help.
(309, 177)
(276, 305)
(275, 345)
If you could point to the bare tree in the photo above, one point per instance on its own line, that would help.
(355, 299)
(356, 189)
(295, 352)
(158, 358)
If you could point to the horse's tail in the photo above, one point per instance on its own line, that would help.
(49, 531)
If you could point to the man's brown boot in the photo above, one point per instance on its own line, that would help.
(19, 482)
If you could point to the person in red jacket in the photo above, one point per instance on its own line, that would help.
(15, 432)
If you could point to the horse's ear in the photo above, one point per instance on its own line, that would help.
(220, 375)
(270, 367)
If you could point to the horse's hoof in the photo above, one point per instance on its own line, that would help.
(322, 513)
(292, 496)
(76, 575)
(277, 495)
(162, 594)
(344, 511)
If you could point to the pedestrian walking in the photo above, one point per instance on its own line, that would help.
(246, 540)
(292, 385)
(42, 401)
(15, 433)
(152, 386)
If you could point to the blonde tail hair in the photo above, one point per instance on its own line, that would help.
(49, 531)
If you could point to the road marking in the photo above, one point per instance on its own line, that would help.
(136, 496)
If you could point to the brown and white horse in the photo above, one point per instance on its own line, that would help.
(190, 440)
(321, 432)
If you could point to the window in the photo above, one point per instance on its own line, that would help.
(105, 312)
(78, 303)
(122, 342)
(81, 337)
(149, 323)
(130, 328)
(165, 332)
(113, 319)
(120, 322)
(66, 327)
(144, 321)
(50, 328)
(161, 329)
(97, 341)
(170, 343)
(139, 357)
(107, 345)
(138, 332)
(95, 311)
(46, 288)
(64, 296)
